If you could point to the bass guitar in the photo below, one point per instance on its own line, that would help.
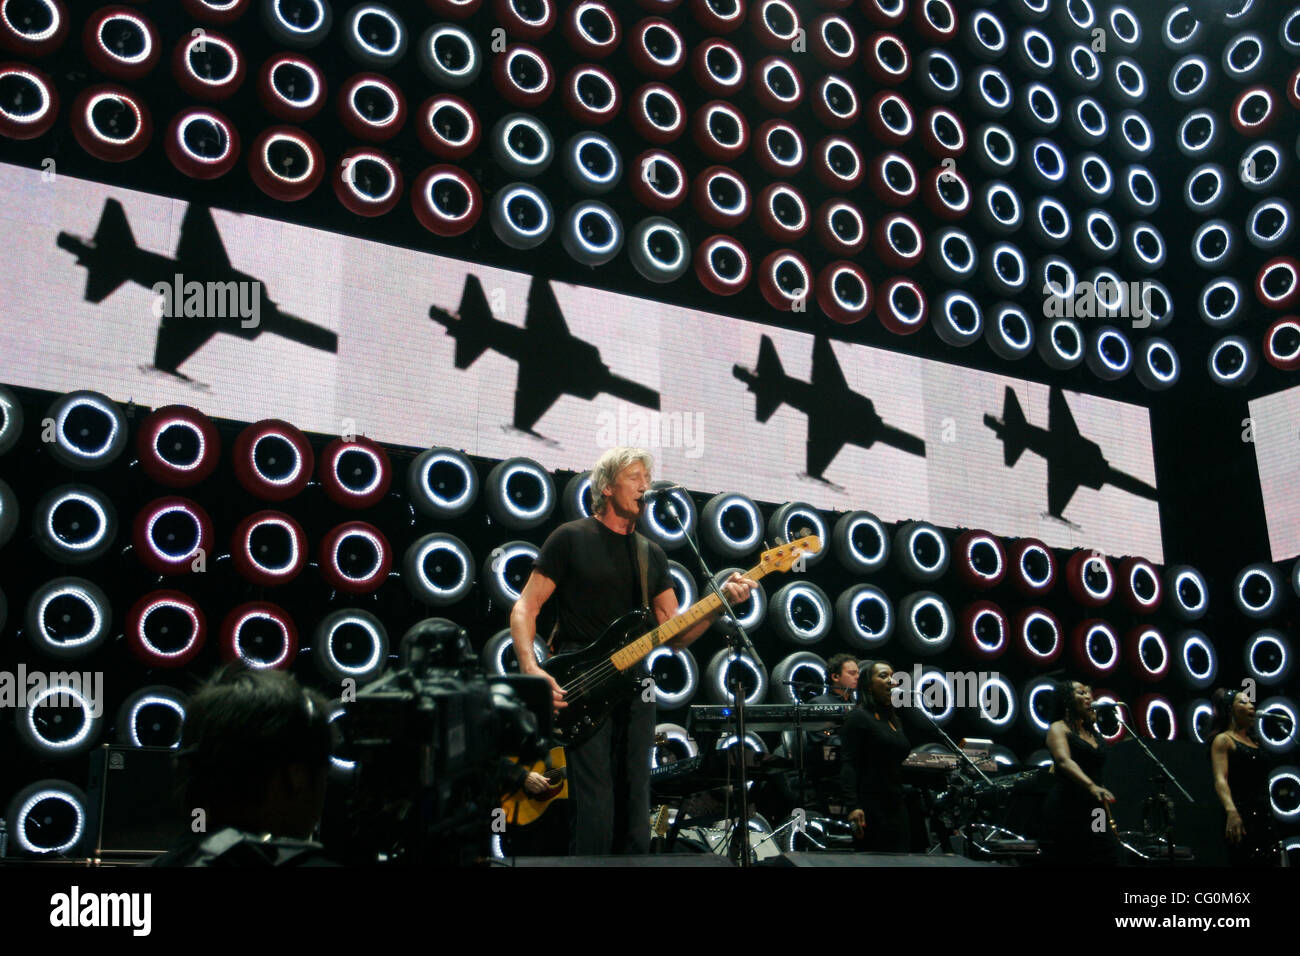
(599, 676)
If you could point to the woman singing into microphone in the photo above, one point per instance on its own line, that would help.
(1080, 834)
(872, 752)
(1241, 781)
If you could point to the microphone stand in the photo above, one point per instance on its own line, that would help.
(798, 729)
(948, 741)
(1159, 781)
(740, 643)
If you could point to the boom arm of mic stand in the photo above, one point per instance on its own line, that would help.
(1154, 759)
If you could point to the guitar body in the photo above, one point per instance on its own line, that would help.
(592, 685)
(522, 807)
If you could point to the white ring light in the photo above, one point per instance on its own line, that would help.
(1099, 631)
(175, 705)
(1008, 332)
(442, 483)
(19, 826)
(928, 626)
(418, 580)
(1268, 657)
(1188, 588)
(865, 616)
(1189, 80)
(731, 524)
(1257, 591)
(997, 702)
(717, 671)
(691, 677)
(1278, 741)
(370, 626)
(1198, 133)
(70, 745)
(1033, 621)
(953, 254)
(1232, 362)
(1197, 661)
(802, 627)
(860, 542)
(1033, 700)
(1290, 775)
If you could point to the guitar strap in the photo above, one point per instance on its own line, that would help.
(643, 561)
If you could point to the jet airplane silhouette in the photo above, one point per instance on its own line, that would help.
(1072, 460)
(837, 416)
(552, 362)
(112, 258)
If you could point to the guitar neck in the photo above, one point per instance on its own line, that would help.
(629, 655)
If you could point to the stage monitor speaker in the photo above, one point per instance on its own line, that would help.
(876, 859)
(131, 811)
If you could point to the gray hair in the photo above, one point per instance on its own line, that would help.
(609, 467)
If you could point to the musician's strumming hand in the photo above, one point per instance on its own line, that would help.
(557, 694)
(737, 588)
(858, 818)
(536, 784)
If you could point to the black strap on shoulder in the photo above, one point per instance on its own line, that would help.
(643, 560)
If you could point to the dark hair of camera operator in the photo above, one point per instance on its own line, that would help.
(1078, 837)
(254, 758)
(1241, 772)
(874, 747)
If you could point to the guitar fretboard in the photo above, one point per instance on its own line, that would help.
(628, 655)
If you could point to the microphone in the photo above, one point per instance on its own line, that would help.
(663, 491)
(1109, 705)
(1277, 719)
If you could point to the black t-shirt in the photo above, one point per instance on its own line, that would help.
(596, 577)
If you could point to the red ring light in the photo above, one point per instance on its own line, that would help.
(374, 129)
(337, 489)
(704, 195)
(283, 484)
(237, 622)
(893, 229)
(114, 99)
(890, 119)
(783, 212)
(967, 568)
(523, 76)
(935, 146)
(775, 23)
(1262, 105)
(660, 191)
(1285, 269)
(715, 84)
(830, 57)
(901, 306)
(34, 45)
(351, 166)
(1075, 570)
(144, 541)
(722, 265)
(1023, 552)
(887, 59)
(719, 118)
(1282, 343)
(137, 639)
(656, 48)
(658, 115)
(200, 87)
(1027, 648)
(974, 630)
(1134, 641)
(844, 292)
(894, 179)
(834, 103)
(269, 161)
(178, 446)
(841, 227)
(27, 125)
(338, 576)
(121, 67)
(785, 280)
(446, 200)
(839, 163)
(1131, 569)
(215, 11)
(946, 193)
(1293, 88)
(291, 111)
(885, 13)
(521, 24)
(248, 564)
(577, 92)
(191, 122)
(936, 20)
(772, 98)
(581, 23)
(711, 21)
(449, 128)
(1081, 637)
(781, 150)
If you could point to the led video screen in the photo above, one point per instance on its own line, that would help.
(1274, 424)
(159, 301)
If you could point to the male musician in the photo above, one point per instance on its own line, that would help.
(843, 671)
(591, 566)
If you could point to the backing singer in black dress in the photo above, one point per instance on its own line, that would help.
(874, 746)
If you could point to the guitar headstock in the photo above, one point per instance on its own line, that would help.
(785, 556)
